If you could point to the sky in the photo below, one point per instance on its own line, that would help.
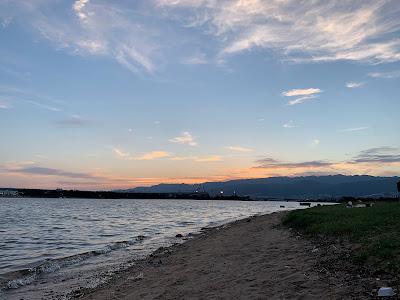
(99, 94)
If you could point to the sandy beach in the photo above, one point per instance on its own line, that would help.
(254, 258)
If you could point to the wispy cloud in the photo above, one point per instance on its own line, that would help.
(4, 104)
(385, 75)
(289, 124)
(185, 138)
(120, 153)
(302, 100)
(355, 129)
(305, 95)
(139, 36)
(43, 171)
(21, 95)
(208, 158)
(196, 59)
(361, 31)
(74, 121)
(270, 163)
(353, 84)
(301, 92)
(100, 28)
(315, 143)
(379, 155)
(44, 106)
(239, 149)
(79, 8)
(153, 155)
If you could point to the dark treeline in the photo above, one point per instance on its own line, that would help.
(39, 193)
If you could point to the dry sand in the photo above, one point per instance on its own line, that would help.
(248, 259)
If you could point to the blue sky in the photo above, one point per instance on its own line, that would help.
(104, 94)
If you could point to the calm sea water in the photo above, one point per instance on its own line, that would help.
(49, 247)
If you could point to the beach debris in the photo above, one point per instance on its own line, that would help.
(314, 250)
(349, 204)
(282, 206)
(179, 235)
(386, 292)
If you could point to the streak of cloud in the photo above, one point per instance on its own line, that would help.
(185, 138)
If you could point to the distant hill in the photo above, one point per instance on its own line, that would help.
(288, 187)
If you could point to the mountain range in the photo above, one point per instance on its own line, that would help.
(332, 186)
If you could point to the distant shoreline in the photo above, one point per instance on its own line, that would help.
(59, 193)
(76, 194)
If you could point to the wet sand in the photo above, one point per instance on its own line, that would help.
(253, 258)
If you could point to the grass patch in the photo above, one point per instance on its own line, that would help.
(374, 230)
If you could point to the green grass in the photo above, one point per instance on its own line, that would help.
(374, 230)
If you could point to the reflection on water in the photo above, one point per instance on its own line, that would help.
(54, 240)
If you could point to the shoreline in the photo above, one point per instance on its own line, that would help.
(251, 258)
(91, 265)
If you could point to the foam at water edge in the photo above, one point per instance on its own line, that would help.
(51, 266)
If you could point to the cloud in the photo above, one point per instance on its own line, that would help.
(79, 9)
(153, 155)
(307, 94)
(301, 92)
(142, 35)
(186, 138)
(44, 106)
(355, 129)
(385, 75)
(20, 95)
(301, 100)
(208, 158)
(364, 162)
(289, 124)
(270, 163)
(352, 84)
(181, 158)
(43, 171)
(74, 121)
(239, 149)
(315, 143)
(379, 155)
(196, 59)
(316, 31)
(4, 104)
(121, 153)
(100, 28)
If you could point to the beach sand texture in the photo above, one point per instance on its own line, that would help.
(249, 259)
